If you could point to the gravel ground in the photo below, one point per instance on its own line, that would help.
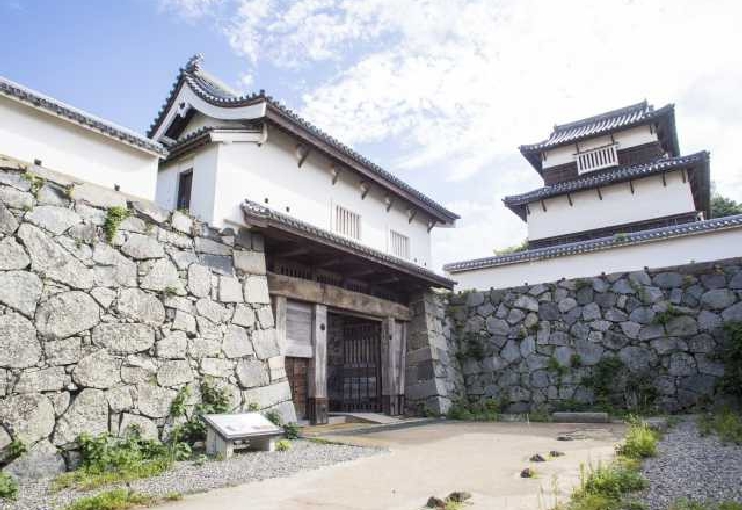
(693, 467)
(186, 477)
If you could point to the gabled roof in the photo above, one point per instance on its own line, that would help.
(213, 92)
(86, 120)
(605, 123)
(272, 218)
(603, 243)
(700, 184)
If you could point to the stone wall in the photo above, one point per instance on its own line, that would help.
(432, 376)
(540, 346)
(95, 336)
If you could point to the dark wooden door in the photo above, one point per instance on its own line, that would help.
(361, 366)
(297, 372)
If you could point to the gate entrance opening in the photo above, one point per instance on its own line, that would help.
(353, 364)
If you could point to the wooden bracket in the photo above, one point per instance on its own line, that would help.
(365, 187)
(389, 201)
(600, 193)
(664, 178)
(431, 225)
(411, 213)
(631, 186)
(335, 173)
(543, 205)
(528, 210)
(302, 153)
(684, 175)
(569, 197)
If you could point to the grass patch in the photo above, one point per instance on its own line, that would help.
(117, 499)
(486, 410)
(727, 425)
(283, 445)
(114, 216)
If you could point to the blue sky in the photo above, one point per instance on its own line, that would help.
(441, 92)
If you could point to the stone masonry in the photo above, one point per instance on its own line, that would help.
(95, 336)
(537, 346)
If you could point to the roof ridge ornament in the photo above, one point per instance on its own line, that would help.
(194, 63)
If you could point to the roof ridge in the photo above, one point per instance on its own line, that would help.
(641, 106)
(606, 242)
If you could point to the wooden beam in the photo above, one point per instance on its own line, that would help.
(335, 173)
(664, 178)
(279, 312)
(411, 212)
(431, 225)
(600, 193)
(684, 175)
(543, 205)
(569, 197)
(335, 297)
(631, 186)
(389, 201)
(292, 253)
(365, 188)
(361, 273)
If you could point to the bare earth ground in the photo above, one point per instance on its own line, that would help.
(484, 459)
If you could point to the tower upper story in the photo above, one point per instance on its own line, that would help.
(618, 171)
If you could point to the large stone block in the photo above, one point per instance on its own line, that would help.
(162, 275)
(141, 306)
(124, 338)
(718, 299)
(217, 367)
(174, 373)
(63, 352)
(264, 343)
(154, 401)
(210, 247)
(236, 342)
(141, 247)
(256, 290)
(54, 219)
(114, 269)
(19, 347)
(42, 460)
(53, 261)
(98, 370)
(12, 255)
(67, 314)
(251, 373)
(30, 417)
(38, 380)
(173, 346)
(8, 223)
(88, 413)
(98, 196)
(230, 290)
(146, 427)
(213, 311)
(267, 396)
(249, 262)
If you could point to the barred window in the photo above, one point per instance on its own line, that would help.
(347, 223)
(399, 244)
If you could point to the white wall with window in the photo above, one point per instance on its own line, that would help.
(651, 199)
(225, 174)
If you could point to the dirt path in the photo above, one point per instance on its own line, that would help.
(481, 458)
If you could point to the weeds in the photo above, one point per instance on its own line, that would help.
(114, 216)
(283, 445)
(731, 354)
(117, 499)
(640, 443)
(290, 430)
(684, 504)
(8, 486)
(213, 401)
(487, 410)
(727, 425)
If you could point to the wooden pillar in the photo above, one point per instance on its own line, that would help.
(279, 313)
(392, 366)
(318, 403)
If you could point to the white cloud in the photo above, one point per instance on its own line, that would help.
(459, 84)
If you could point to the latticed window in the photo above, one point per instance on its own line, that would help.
(595, 159)
(399, 244)
(347, 223)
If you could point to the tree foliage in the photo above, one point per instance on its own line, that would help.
(723, 206)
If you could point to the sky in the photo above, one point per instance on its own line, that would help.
(439, 92)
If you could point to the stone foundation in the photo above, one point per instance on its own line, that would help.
(96, 336)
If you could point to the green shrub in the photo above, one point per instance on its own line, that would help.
(274, 417)
(612, 481)
(8, 486)
(291, 430)
(118, 499)
(731, 355)
(640, 443)
(283, 445)
(213, 401)
(484, 410)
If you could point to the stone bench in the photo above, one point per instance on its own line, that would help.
(227, 433)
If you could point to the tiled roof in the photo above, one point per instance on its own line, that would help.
(603, 243)
(84, 119)
(255, 210)
(606, 122)
(208, 89)
(602, 178)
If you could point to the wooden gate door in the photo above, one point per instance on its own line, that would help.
(297, 372)
(361, 366)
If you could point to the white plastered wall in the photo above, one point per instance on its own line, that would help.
(247, 171)
(651, 199)
(632, 137)
(702, 247)
(29, 134)
(203, 162)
